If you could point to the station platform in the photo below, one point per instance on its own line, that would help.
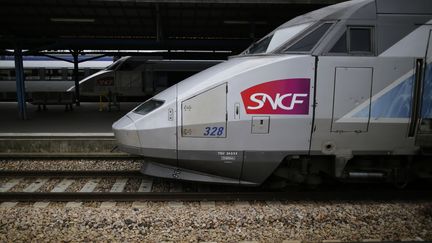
(83, 132)
(38, 86)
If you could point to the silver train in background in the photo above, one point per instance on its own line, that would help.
(343, 92)
(140, 76)
(45, 74)
(128, 77)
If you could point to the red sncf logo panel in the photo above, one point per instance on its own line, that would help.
(284, 97)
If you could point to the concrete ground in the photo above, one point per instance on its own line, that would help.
(83, 119)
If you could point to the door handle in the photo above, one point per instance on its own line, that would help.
(236, 111)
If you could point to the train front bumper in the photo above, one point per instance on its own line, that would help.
(152, 168)
(126, 135)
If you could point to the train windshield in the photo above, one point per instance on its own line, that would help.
(148, 106)
(276, 39)
(114, 65)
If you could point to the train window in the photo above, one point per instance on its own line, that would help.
(92, 71)
(53, 74)
(283, 35)
(310, 40)
(7, 74)
(148, 106)
(272, 41)
(4, 75)
(360, 39)
(114, 65)
(81, 73)
(31, 74)
(355, 41)
(340, 46)
(260, 46)
(70, 74)
(129, 65)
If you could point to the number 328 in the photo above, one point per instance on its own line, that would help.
(213, 131)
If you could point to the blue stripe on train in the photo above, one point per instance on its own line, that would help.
(397, 102)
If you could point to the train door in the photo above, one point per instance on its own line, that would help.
(203, 129)
(352, 86)
(422, 111)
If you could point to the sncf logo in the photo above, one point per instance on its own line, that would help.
(287, 96)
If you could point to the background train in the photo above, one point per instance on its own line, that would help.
(342, 92)
(131, 78)
(139, 77)
(45, 74)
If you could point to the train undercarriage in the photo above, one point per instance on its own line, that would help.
(314, 170)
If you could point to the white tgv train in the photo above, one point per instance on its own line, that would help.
(344, 91)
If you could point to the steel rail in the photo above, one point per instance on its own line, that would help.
(409, 196)
(70, 173)
(102, 155)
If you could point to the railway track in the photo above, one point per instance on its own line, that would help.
(70, 173)
(207, 196)
(31, 182)
(81, 189)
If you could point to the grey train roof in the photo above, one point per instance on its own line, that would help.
(338, 11)
(384, 15)
(365, 9)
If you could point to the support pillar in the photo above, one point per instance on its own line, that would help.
(76, 78)
(20, 84)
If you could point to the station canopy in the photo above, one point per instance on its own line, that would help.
(218, 27)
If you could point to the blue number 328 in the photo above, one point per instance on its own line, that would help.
(214, 131)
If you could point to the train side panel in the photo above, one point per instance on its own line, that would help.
(363, 106)
(357, 121)
(269, 106)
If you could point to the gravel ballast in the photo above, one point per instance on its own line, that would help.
(222, 222)
(307, 221)
(70, 164)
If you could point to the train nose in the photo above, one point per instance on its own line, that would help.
(126, 135)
